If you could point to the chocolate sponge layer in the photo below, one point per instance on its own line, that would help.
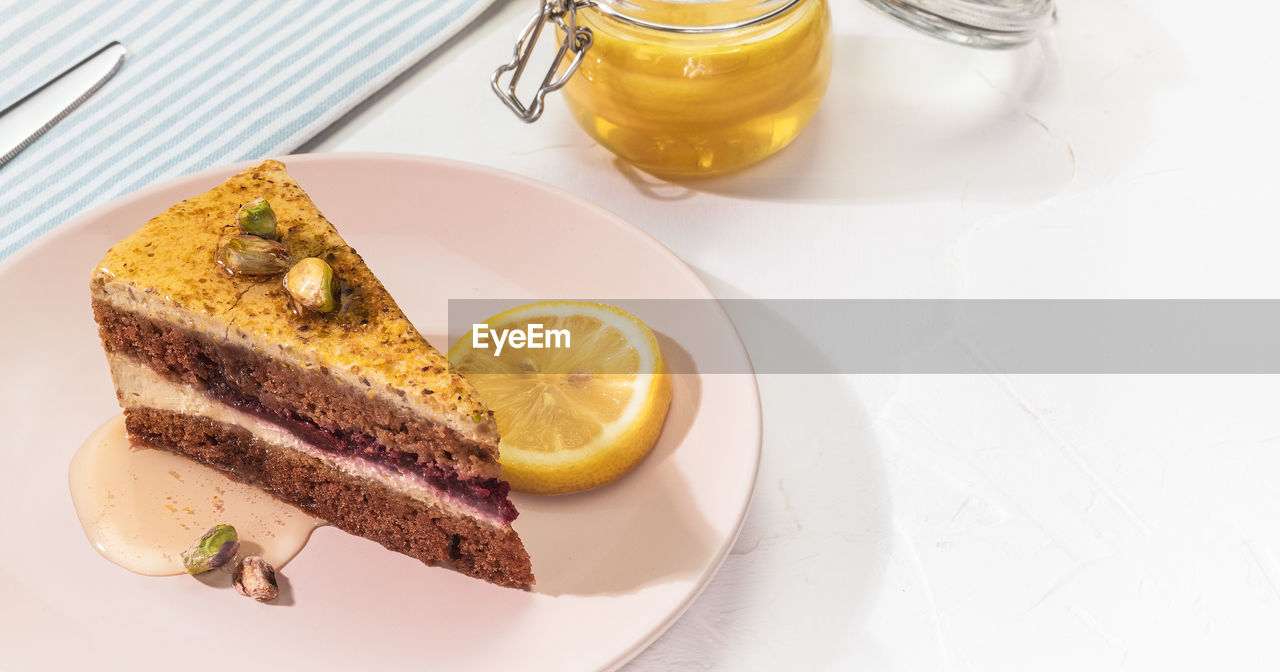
(370, 510)
(186, 357)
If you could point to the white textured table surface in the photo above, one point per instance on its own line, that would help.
(970, 522)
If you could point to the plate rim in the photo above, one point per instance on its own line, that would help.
(79, 221)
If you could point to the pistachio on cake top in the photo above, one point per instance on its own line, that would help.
(169, 267)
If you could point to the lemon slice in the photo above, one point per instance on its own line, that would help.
(576, 411)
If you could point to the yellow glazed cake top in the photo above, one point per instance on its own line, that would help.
(171, 262)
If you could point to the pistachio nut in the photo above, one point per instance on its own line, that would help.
(212, 551)
(312, 285)
(256, 578)
(256, 218)
(243, 254)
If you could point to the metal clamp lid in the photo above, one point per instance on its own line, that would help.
(577, 40)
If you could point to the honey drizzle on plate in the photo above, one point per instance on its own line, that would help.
(141, 507)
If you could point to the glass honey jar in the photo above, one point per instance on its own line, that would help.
(682, 87)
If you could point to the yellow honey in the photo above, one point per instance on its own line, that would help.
(685, 88)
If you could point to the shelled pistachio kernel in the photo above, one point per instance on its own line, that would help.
(250, 255)
(212, 551)
(256, 218)
(312, 285)
(256, 578)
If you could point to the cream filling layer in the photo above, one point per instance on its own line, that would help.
(139, 386)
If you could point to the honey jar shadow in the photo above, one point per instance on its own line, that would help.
(907, 119)
(913, 119)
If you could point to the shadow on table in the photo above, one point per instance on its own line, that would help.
(811, 558)
(907, 119)
(911, 119)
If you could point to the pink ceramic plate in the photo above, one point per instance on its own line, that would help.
(615, 566)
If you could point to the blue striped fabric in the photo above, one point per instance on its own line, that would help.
(205, 83)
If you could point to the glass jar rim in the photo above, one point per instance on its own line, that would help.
(749, 14)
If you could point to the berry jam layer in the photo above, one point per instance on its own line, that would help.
(485, 495)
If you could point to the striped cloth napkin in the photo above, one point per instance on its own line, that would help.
(205, 83)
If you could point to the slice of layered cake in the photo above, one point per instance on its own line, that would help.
(244, 333)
